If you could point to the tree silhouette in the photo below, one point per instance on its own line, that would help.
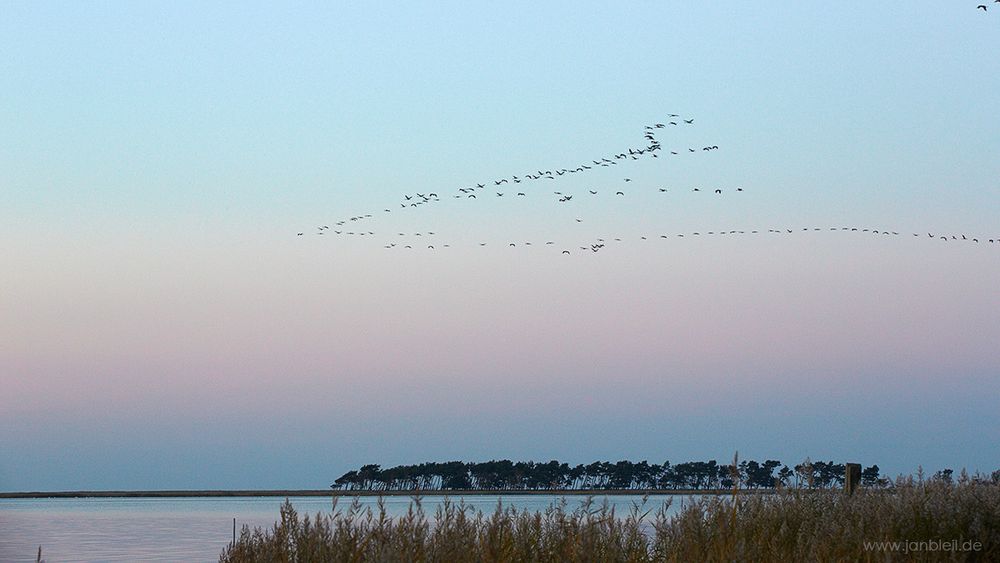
(506, 475)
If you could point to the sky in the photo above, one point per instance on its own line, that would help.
(163, 326)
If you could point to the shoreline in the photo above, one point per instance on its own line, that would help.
(394, 493)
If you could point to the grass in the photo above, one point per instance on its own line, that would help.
(789, 525)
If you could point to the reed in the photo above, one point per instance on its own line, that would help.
(793, 524)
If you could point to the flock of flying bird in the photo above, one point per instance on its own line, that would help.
(983, 6)
(518, 186)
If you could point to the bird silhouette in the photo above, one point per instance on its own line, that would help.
(652, 146)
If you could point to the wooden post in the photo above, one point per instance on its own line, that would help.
(852, 477)
(234, 532)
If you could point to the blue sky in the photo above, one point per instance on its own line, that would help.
(164, 327)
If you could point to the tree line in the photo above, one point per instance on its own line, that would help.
(507, 475)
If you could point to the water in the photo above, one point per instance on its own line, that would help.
(193, 529)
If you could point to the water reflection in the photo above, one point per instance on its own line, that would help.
(196, 529)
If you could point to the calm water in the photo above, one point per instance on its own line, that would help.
(189, 529)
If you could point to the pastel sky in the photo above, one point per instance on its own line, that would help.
(162, 326)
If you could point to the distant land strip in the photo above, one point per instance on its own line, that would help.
(366, 493)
